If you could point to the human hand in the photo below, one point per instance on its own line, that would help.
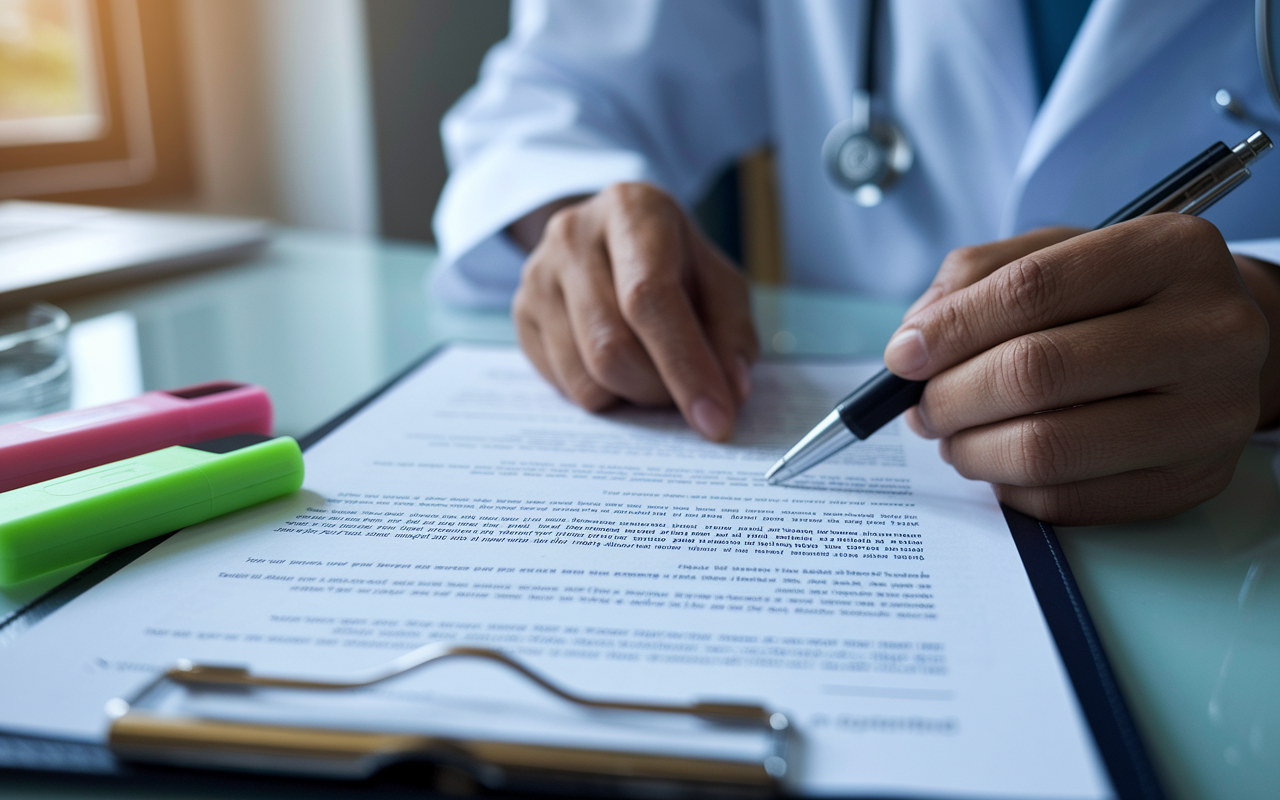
(1106, 377)
(623, 299)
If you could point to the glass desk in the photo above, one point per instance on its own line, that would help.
(1189, 608)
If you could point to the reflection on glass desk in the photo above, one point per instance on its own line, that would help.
(1188, 608)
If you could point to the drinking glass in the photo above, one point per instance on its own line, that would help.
(35, 371)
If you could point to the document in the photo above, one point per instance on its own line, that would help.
(878, 600)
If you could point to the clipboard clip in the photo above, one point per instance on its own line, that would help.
(137, 734)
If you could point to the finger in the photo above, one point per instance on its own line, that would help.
(610, 352)
(1093, 274)
(967, 265)
(655, 303)
(553, 345)
(724, 305)
(1118, 354)
(530, 339)
(1095, 440)
(1142, 494)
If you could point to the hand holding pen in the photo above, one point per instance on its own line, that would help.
(1140, 338)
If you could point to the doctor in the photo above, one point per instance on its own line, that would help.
(595, 124)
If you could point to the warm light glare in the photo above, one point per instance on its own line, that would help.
(49, 86)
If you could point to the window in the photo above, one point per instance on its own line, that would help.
(91, 100)
(50, 74)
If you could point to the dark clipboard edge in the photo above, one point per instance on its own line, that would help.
(1101, 700)
(329, 427)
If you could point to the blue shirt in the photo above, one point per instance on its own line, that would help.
(1053, 25)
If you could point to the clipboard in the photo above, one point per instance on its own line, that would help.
(144, 730)
(141, 738)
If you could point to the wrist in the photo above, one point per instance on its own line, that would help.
(1263, 282)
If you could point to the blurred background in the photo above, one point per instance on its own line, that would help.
(315, 113)
(290, 149)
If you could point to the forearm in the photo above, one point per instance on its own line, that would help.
(1263, 280)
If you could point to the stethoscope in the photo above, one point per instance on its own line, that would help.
(867, 153)
(1265, 27)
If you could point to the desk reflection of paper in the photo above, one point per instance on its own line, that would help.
(884, 607)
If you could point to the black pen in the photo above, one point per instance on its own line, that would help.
(1191, 189)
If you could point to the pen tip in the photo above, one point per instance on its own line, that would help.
(772, 477)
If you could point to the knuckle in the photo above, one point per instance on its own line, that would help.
(538, 283)
(964, 262)
(1030, 372)
(1040, 452)
(1174, 490)
(1237, 323)
(527, 335)
(648, 298)
(1190, 227)
(1211, 481)
(637, 198)
(533, 267)
(562, 227)
(1199, 242)
(1215, 480)
(606, 352)
(1239, 419)
(950, 321)
(520, 305)
(586, 393)
(1226, 419)
(1028, 288)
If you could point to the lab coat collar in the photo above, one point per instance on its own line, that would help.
(1116, 39)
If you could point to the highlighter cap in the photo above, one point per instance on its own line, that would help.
(224, 408)
(59, 444)
(67, 520)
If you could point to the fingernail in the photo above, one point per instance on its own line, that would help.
(906, 352)
(931, 294)
(710, 419)
(744, 378)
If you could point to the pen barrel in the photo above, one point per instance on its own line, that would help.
(873, 404)
(1181, 182)
(1199, 183)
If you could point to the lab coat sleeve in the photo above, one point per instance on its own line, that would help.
(585, 94)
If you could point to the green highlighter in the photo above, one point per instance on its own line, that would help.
(59, 522)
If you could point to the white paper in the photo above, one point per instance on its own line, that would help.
(879, 600)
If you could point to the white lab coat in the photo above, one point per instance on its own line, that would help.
(586, 93)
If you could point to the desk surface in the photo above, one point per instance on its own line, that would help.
(1189, 608)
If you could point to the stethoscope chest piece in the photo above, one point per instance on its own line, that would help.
(866, 159)
(866, 153)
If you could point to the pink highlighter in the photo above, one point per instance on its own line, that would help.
(51, 446)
